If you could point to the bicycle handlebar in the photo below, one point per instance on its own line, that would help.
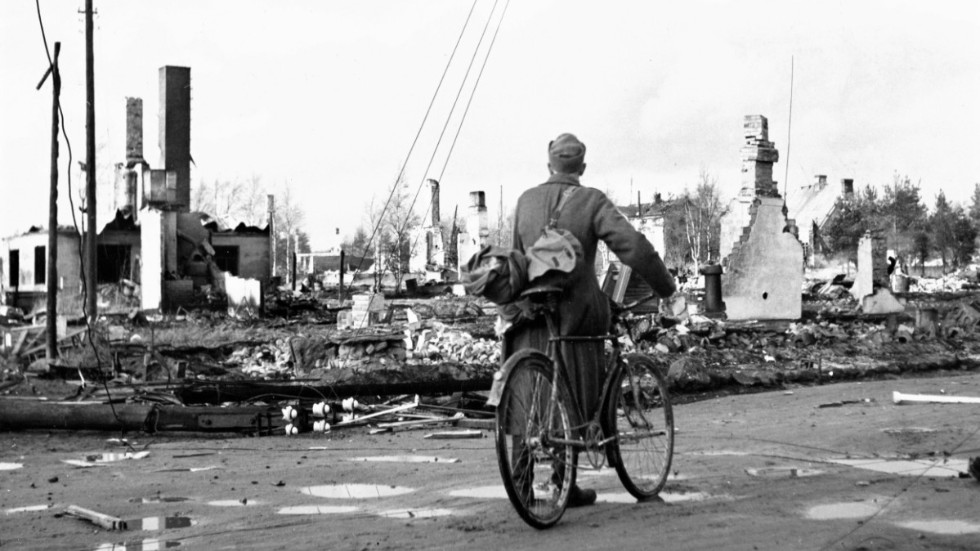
(618, 308)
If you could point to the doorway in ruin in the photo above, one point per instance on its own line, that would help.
(226, 258)
(113, 263)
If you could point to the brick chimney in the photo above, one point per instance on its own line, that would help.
(134, 131)
(758, 156)
(175, 130)
(435, 202)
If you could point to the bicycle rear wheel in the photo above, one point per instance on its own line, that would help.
(639, 415)
(537, 473)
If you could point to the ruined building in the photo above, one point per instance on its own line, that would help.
(812, 206)
(159, 252)
(761, 255)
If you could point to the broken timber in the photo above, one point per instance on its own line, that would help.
(239, 391)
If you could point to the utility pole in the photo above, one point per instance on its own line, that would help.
(51, 318)
(295, 255)
(91, 292)
(501, 239)
(272, 233)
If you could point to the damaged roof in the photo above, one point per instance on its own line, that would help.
(813, 204)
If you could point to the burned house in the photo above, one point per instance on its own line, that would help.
(23, 269)
(813, 205)
(760, 252)
(158, 252)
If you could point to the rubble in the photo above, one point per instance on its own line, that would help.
(163, 371)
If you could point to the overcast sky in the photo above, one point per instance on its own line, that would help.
(328, 96)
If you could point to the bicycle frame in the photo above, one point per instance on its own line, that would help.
(613, 368)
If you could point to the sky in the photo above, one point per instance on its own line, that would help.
(327, 97)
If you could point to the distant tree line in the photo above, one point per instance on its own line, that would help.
(947, 232)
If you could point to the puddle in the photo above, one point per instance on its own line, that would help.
(482, 492)
(149, 544)
(159, 499)
(318, 510)
(112, 457)
(834, 511)
(27, 509)
(416, 513)
(161, 523)
(783, 472)
(908, 430)
(938, 468)
(718, 452)
(10, 466)
(188, 469)
(356, 491)
(235, 503)
(666, 497)
(945, 527)
(406, 459)
(605, 471)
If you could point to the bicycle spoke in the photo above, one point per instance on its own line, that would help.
(641, 419)
(534, 470)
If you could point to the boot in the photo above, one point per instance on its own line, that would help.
(579, 497)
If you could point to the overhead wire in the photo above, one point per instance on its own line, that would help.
(452, 110)
(466, 110)
(411, 149)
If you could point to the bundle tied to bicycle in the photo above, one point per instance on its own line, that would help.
(501, 274)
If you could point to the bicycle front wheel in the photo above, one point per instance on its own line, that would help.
(537, 472)
(639, 417)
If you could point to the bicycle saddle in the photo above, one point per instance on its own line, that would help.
(540, 292)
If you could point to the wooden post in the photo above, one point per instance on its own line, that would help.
(295, 250)
(91, 292)
(51, 319)
(272, 233)
(343, 268)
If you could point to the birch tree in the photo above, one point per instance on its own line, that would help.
(702, 214)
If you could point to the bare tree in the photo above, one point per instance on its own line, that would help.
(393, 221)
(702, 213)
(232, 202)
(290, 233)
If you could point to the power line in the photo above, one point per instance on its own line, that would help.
(401, 172)
(469, 102)
(473, 93)
(452, 110)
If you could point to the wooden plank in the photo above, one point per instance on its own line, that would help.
(15, 351)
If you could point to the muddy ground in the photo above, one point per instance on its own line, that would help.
(791, 468)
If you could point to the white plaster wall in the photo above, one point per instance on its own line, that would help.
(151, 236)
(767, 283)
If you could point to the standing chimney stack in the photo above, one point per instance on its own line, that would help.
(134, 131)
(175, 130)
(435, 202)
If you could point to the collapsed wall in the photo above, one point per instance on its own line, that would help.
(762, 257)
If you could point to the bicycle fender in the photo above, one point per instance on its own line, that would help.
(500, 376)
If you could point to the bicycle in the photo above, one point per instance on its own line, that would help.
(633, 427)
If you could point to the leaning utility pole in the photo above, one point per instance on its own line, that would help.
(91, 293)
(51, 317)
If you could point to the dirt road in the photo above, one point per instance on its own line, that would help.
(828, 467)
